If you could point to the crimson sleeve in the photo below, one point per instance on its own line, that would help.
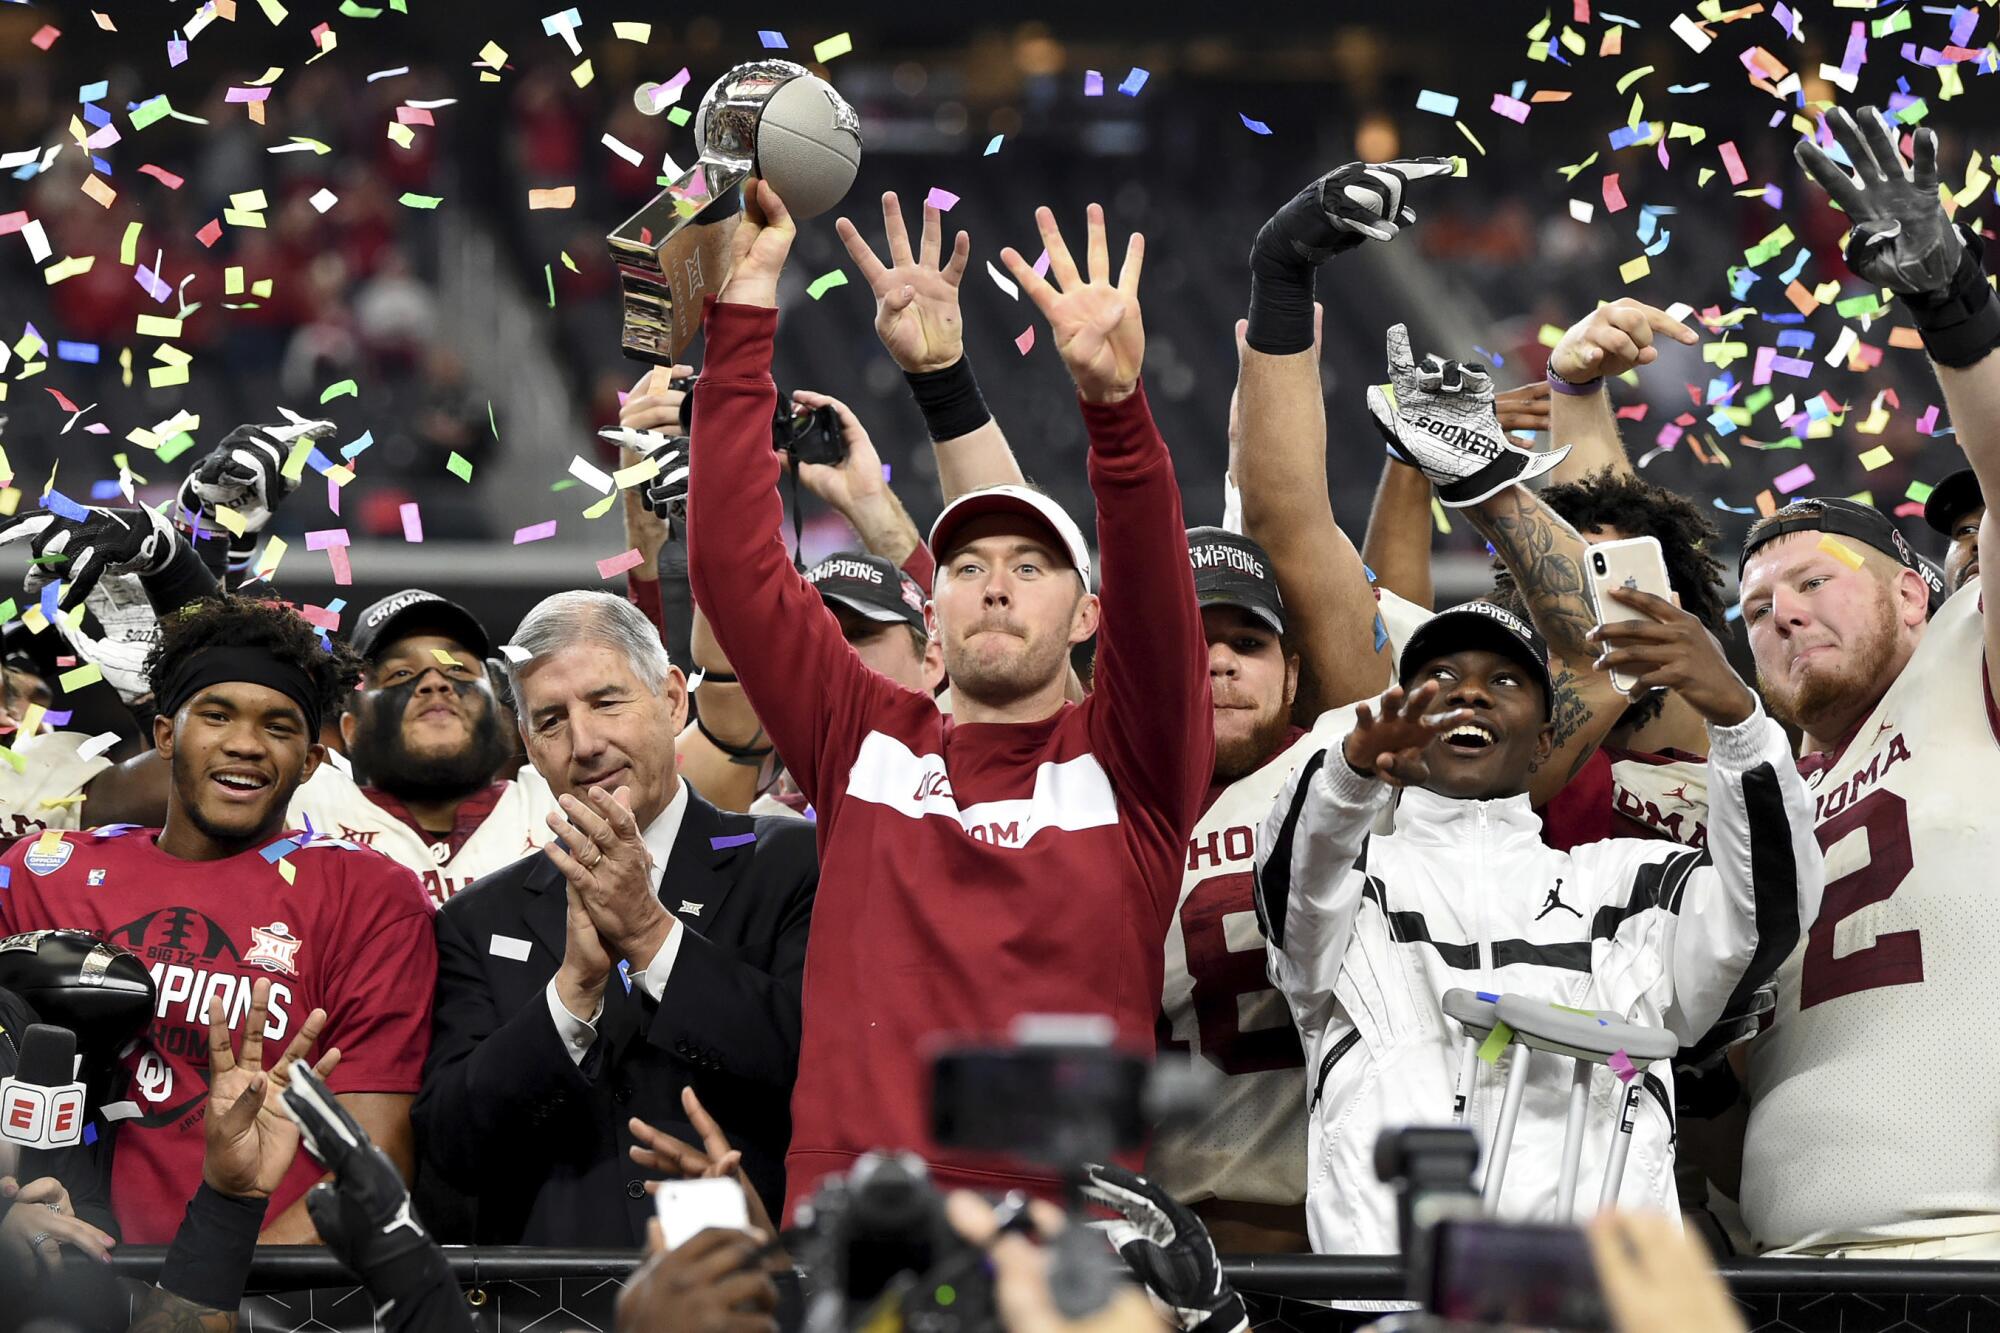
(921, 565)
(378, 997)
(805, 682)
(645, 594)
(1149, 705)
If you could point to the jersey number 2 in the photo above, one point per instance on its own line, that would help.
(1895, 959)
(1222, 976)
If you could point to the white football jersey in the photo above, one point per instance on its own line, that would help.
(47, 790)
(517, 825)
(1218, 1002)
(1875, 1094)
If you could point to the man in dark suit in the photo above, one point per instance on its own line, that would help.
(657, 943)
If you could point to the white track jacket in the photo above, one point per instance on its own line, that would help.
(1365, 934)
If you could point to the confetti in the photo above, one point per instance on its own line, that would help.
(1026, 341)
(632, 32)
(1438, 104)
(87, 674)
(562, 196)
(534, 533)
(773, 41)
(340, 389)
(410, 200)
(459, 466)
(1254, 126)
(1134, 81)
(941, 200)
(1496, 1042)
(1840, 550)
(837, 45)
(618, 564)
(825, 283)
(1797, 479)
(1634, 269)
(993, 145)
(1093, 83)
(45, 36)
(1621, 1064)
(413, 522)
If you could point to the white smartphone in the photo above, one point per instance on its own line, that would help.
(687, 1208)
(1631, 562)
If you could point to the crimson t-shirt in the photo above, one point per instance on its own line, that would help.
(350, 933)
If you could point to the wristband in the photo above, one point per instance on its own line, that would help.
(211, 1253)
(183, 579)
(1573, 388)
(949, 399)
(1961, 324)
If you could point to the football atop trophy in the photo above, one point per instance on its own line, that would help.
(768, 118)
(787, 125)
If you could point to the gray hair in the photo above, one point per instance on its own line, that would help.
(588, 615)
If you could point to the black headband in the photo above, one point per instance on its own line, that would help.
(255, 666)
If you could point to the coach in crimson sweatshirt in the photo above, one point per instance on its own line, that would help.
(1022, 857)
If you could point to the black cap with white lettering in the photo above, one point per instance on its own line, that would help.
(871, 586)
(414, 611)
(1232, 570)
(1479, 625)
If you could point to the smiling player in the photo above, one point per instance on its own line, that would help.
(218, 900)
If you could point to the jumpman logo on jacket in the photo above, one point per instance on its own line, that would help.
(1555, 901)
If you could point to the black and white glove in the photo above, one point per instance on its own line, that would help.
(79, 551)
(246, 473)
(666, 493)
(1168, 1249)
(364, 1214)
(1439, 418)
(128, 629)
(1362, 201)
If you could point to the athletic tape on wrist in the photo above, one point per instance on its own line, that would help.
(949, 399)
(1961, 324)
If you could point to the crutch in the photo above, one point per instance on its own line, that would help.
(1589, 1039)
(1475, 1012)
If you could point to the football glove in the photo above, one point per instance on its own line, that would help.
(1901, 237)
(79, 551)
(665, 494)
(1362, 201)
(1168, 1249)
(1439, 418)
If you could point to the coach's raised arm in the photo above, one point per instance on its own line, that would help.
(1021, 857)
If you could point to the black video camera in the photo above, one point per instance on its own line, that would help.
(876, 1243)
(809, 434)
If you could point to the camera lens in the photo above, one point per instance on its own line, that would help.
(1597, 562)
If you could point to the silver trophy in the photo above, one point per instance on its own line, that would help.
(768, 117)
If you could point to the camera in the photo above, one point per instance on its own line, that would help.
(1597, 561)
(1470, 1269)
(808, 434)
(875, 1244)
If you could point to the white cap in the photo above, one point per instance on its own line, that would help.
(1013, 500)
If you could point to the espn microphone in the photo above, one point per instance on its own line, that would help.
(39, 1106)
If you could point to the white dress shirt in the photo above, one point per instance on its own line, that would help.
(579, 1034)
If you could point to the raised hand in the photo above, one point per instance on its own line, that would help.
(1901, 238)
(858, 479)
(1361, 201)
(1523, 409)
(80, 550)
(1388, 742)
(758, 248)
(1672, 650)
(662, 1152)
(916, 295)
(1439, 417)
(245, 472)
(1614, 338)
(1096, 325)
(249, 1140)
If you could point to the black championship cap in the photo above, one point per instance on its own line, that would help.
(1845, 518)
(1479, 625)
(1953, 498)
(871, 587)
(414, 611)
(1232, 570)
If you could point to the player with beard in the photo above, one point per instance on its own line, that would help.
(428, 753)
(221, 897)
(1242, 1164)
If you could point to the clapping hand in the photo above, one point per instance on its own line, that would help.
(1096, 324)
(1388, 742)
(249, 1140)
(916, 295)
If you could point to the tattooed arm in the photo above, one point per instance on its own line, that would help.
(1545, 557)
(157, 1311)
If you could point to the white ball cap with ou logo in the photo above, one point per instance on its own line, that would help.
(1022, 500)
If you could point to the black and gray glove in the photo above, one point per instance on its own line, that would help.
(246, 473)
(1439, 418)
(665, 494)
(80, 550)
(364, 1213)
(1168, 1249)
